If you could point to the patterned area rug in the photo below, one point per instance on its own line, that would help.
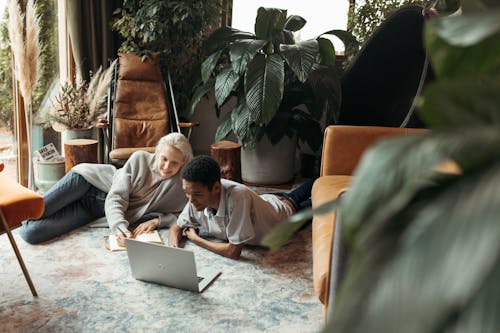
(84, 288)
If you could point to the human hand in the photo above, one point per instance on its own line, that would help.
(192, 233)
(121, 238)
(146, 227)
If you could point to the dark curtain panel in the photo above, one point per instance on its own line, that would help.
(89, 27)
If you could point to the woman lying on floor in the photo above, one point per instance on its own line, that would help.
(147, 185)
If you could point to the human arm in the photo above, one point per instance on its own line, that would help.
(117, 200)
(174, 235)
(228, 250)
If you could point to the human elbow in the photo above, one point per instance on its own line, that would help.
(233, 252)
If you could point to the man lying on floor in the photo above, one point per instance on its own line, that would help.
(228, 210)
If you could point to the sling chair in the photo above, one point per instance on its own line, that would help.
(382, 82)
(141, 109)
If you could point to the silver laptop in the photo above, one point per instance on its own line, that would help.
(170, 266)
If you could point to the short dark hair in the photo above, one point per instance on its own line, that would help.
(202, 169)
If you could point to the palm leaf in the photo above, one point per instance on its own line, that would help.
(221, 37)
(264, 87)
(451, 60)
(209, 64)
(284, 231)
(420, 254)
(241, 52)
(466, 30)
(224, 128)
(347, 38)
(294, 23)
(225, 83)
(450, 103)
(301, 57)
(326, 51)
(268, 22)
(199, 93)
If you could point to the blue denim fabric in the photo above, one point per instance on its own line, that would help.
(299, 197)
(71, 203)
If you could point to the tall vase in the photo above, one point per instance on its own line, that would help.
(71, 134)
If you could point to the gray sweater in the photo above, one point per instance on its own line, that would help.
(135, 190)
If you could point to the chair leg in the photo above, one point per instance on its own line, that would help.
(18, 255)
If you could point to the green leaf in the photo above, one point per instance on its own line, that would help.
(284, 231)
(242, 51)
(224, 128)
(221, 37)
(325, 84)
(301, 57)
(466, 30)
(264, 81)
(294, 23)
(225, 82)
(345, 36)
(269, 22)
(243, 126)
(199, 93)
(421, 255)
(326, 52)
(453, 61)
(369, 192)
(452, 103)
(209, 64)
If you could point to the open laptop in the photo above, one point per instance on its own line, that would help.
(170, 266)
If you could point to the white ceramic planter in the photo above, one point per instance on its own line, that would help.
(269, 164)
(47, 173)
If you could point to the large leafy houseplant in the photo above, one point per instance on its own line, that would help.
(175, 29)
(424, 246)
(269, 75)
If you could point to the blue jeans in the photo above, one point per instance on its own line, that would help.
(71, 203)
(299, 197)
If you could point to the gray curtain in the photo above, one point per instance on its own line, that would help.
(89, 27)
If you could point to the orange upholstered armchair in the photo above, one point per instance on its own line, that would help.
(343, 147)
(17, 203)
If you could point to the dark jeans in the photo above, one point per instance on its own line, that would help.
(299, 197)
(71, 203)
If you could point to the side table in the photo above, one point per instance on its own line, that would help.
(79, 151)
(228, 155)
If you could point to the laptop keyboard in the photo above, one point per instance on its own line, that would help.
(200, 278)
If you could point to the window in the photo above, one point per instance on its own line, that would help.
(321, 16)
(11, 130)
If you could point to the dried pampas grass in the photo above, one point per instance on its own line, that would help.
(26, 48)
(32, 46)
(26, 51)
(98, 91)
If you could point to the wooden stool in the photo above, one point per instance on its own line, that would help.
(228, 155)
(79, 151)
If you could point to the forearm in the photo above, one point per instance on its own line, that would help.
(174, 235)
(224, 249)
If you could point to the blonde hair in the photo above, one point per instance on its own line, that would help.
(177, 141)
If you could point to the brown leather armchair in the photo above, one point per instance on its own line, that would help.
(342, 150)
(140, 110)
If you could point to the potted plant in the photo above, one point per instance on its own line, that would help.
(77, 108)
(424, 246)
(280, 87)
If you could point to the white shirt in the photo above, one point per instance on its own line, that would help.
(243, 216)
